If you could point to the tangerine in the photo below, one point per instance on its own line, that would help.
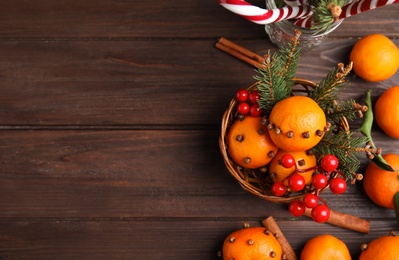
(387, 112)
(252, 243)
(325, 247)
(385, 247)
(375, 58)
(249, 144)
(305, 163)
(296, 123)
(381, 185)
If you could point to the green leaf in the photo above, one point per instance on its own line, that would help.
(396, 204)
(381, 163)
(365, 129)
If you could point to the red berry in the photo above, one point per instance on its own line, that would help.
(254, 96)
(243, 108)
(320, 213)
(255, 110)
(287, 161)
(329, 162)
(296, 208)
(337, 185)
(319, 181)
(242, 95)
(310, 200)
(296, 182)
(278, 189)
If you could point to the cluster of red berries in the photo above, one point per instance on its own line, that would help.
(248, 103)
(327, 174)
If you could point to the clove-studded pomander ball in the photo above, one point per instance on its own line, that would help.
(297, 123)
(252, 243)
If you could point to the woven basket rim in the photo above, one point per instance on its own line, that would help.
(238, 172)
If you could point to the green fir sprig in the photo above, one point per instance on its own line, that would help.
(326, 95)
(349, 109)
(325, 13)
(339, 140)
(276, 77)
(329, 87)
(345, 146)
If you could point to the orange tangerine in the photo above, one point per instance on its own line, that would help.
(305, 163)
(252, 243)
(381, 185)
(325, 247)
(249, 144)
(375, 58)
(296, 123)
(386, 111)
(385, 247)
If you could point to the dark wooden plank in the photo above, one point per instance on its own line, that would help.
(382, 20)
(109, 117)
(140, 19)
(115, 83)
(140, 83)
(104, 18)
(147, 239)
(81, 174)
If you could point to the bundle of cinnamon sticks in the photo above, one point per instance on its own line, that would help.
(239, 52)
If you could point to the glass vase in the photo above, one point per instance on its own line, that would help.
(281, 33)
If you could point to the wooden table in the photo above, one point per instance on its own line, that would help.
(110, 115)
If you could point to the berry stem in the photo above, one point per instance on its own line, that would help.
(322, 200)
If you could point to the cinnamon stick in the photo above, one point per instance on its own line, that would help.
(288, 252)
(345, 221)
(239, 52)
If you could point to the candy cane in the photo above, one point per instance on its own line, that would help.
(263, 16)
(304, 22)
(348, 10)
(363, 6)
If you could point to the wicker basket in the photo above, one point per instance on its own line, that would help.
(257, 181)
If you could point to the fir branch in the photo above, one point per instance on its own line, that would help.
(325, 13)
(327, 90)
(290, 57)
(349, 109)
(345, 146)
(272, 86)
(276, 77)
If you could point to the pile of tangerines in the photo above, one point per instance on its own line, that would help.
(261, 244)
(376, 58)
(282, 143)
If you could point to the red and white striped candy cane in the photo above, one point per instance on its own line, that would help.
(350, 9)
(361, 6)
(262, 16)
(304, 22)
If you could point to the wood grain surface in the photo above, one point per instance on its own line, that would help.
(110, 115)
